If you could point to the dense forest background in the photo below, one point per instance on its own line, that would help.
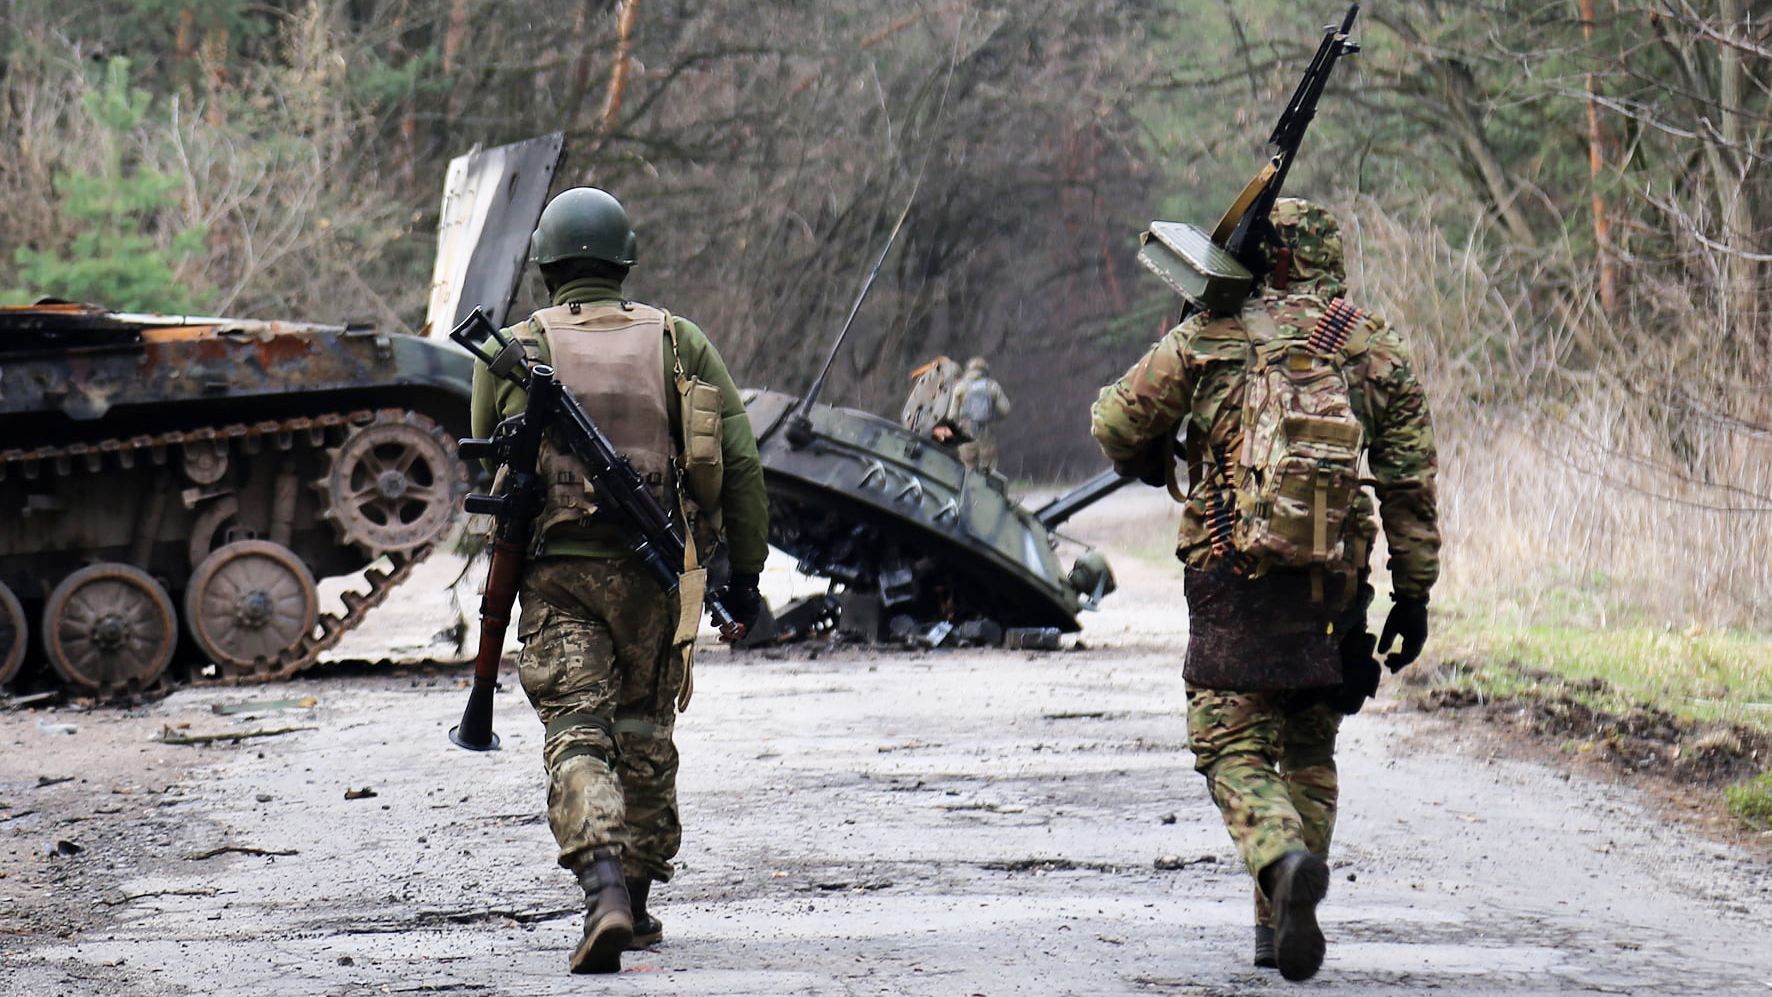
(1565, 204)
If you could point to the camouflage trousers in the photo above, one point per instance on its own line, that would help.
(1269, 759)
(981, 453)
(598, 667)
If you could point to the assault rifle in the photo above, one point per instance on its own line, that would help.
(551, 412)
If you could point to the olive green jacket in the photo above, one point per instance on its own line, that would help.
(744, 506)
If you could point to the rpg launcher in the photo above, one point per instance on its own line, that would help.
(551, 412)
(1216, 271)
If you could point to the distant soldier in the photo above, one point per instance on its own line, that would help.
(926, 408)
(1279, 403)
(978, 403)
(604, 662)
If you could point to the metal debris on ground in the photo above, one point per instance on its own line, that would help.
(1031, 639)
(240, 850)
(1173, 863)
(170, 736)
(264, 706)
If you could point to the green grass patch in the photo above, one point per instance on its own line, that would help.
(1751, 801)
(1704, 676)
(1693, 706)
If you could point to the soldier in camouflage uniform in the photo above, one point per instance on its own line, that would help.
(1276, 657)
(606, 662)
(978, 403)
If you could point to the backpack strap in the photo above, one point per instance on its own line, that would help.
(670, 324)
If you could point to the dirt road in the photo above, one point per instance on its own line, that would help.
(950, 823)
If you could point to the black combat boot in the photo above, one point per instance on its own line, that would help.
(1264, 947)
(1296, 883)
(647, 929)
(609, 923)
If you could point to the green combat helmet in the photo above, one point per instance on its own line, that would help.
(1313, 237)
(583, 223)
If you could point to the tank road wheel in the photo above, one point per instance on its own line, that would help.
(250, 606)
(391, 486)
(109, 627)
(12, 635)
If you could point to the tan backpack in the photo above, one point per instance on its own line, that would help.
(1297, 471)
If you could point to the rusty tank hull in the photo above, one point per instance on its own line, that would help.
(175, 485)
(904, 527)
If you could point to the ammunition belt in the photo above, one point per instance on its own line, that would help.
(1221, 520)
(1335, 326)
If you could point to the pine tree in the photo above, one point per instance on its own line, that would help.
(113, 257)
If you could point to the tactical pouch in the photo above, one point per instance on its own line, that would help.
(692, 591)
(571, 498)
(703, 461)
(703, 455)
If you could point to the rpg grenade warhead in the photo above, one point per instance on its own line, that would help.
(584, 223)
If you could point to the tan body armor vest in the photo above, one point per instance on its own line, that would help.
(609, 355)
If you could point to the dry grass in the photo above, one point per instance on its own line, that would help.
(1593, 474)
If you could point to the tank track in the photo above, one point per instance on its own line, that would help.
(315, 431)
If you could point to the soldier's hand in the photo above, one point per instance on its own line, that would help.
(1146, 467)
(1408, 620)
(1359, 670)
(743, 600)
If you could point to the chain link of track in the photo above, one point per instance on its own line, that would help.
(282, 435)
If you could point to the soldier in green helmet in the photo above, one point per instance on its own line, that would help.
(978, 404)
(1279, 404)
(605, 660)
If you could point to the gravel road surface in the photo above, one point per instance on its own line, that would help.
(966, 822)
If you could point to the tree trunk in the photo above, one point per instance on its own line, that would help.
(627, 12)
(1597, 144)
(455, 31)
(1731, 178)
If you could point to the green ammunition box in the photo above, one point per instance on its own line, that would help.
(1203, 272)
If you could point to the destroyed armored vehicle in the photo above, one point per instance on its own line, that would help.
(173, 486)
(919, 548)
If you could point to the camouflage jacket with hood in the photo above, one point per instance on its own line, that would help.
(1196, 374)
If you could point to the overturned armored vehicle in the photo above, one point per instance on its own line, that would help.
(917, 541)
(173, 486)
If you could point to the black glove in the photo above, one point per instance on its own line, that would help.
(1146, 467)
(742, 599)
(1359, 671)
(1408, 620)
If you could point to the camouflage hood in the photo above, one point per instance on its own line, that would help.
(1314, 238)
